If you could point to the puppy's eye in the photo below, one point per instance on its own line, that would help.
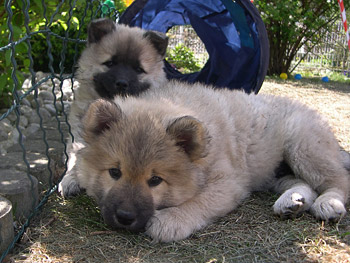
(115, 173)
(108, 63)
(154, 181)
(140, 70)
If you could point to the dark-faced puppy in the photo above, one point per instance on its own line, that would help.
(126, 66)
(120, 60)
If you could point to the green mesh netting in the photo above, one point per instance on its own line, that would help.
(44, 36)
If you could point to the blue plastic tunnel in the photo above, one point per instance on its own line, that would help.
(232, 31)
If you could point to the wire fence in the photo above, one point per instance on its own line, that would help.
(38, 35)
(186, 36)
(332, 54)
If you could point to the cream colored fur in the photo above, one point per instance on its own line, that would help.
(240, 139)
(211, 148)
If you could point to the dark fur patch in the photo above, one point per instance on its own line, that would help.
(158, 40)
(122, 77)
(190, 135)
(99, 28)
(282, 170)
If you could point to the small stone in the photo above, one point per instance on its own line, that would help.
(44, 113)
(30, 97)
(4, 145)
(32, 128)
(34, 103)
(12, 117)
(66, 106)
(14, 136)
(19, 92)
(34, 118)
(64, 97)
(26, 110)
(27, 84)
(67, 85)
(51, 108)
(23, 121)
(26, 102)
(71, 98)
(39, 75)
(3, 135)
(46, 95)
(49, 102)
(59, 105)
(5, 125)
(46, 86)
(3, 150)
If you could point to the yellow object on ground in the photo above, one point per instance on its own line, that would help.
(283, 76)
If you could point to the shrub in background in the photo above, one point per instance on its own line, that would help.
(183, 59)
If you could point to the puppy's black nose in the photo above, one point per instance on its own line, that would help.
(121, 84)
(125, 218)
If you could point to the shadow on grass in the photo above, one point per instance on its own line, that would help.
(73, 231)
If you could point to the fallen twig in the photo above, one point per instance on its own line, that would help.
(96, 233)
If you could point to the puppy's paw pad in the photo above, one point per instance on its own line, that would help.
(328, 209)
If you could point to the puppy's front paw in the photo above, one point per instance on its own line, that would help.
(328, 208)
(293, 202)
(69, 186)
(168, 225)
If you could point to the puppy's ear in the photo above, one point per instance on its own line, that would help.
(190, 135)
(159, 41)
(99, 117)
(99, 28)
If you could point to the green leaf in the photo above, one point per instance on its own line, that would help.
(3, 82)
(8, 57)
(17, 32)
(21, 48)
(26, 63)
(38, 4)
(63, 24)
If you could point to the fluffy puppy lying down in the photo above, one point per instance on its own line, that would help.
(173, 159)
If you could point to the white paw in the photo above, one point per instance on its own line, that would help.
(328, 208)
(69, 186)
(293, 202)
(168, 225)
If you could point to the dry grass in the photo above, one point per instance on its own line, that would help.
(72, 230)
